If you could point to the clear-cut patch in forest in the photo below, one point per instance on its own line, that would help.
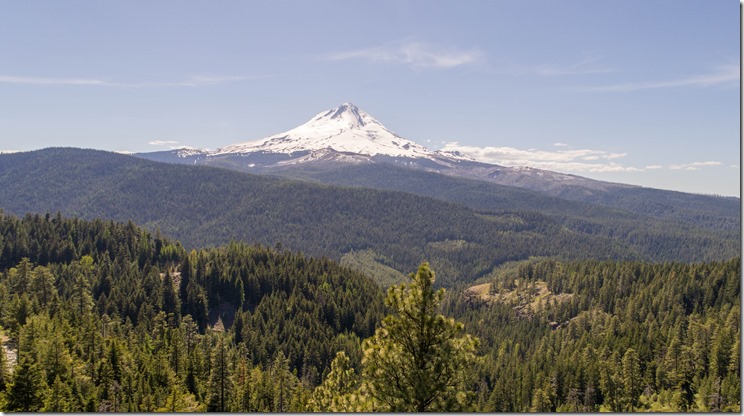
(526, 301)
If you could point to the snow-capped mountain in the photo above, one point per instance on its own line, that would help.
(347, 135)
(345, 128)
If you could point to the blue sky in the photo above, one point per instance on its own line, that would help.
(633, 91)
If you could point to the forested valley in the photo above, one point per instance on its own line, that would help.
(472, 227)
(106, 316)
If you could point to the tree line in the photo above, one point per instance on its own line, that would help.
(234, 328)
(105, 316)
(610, 336)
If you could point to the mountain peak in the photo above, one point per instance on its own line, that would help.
(345, 113)
(345, 128)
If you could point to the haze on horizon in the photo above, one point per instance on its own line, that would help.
(637, 92)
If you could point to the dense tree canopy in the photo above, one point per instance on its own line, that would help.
(478, 227)
(105, 316)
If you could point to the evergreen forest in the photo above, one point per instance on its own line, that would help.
(465, 228)
(105, 316)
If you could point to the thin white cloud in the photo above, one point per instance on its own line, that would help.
(694, 165)
(194, 81)
(7, 152)
(10, 79)
(416, 55)
(560, 144)
(162, 142)
(728, 74)
(561, 160)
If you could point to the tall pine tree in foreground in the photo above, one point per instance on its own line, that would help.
(419, 360)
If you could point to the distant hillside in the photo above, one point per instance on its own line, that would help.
(203, 206)
(721, 214)
(346, 145)
(642, 217)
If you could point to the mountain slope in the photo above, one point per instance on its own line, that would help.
(204, 206)
(344, 129)
(672, 209)
(347, 141)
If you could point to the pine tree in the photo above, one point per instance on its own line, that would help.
(58, 399)
(171, 302)
(196, 304)
(242, 385)
(284, 382)
(81, 294)
(419, 360)
(20, 310)
(334, 395)
(183, 285)
(610, 383)
(541, 401)
(631, 378)
(42, 286)
(20, 276)
(27, 390)
(219, 380)
(237, 327)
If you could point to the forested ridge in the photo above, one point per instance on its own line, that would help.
(105, 316)
(464, 238)
(109, 317)
(609, 336)
(607, 210)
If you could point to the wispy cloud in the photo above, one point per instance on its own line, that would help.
(194, 81)
(10, 79)
(579, 160)
(724, 75)
(564, 159)
(560, 144)
(694, 165)
(162, 142)
(416, 55)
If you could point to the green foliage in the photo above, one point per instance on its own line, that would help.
(208, 207)
(27, 389)
(661, 224)
(374, 266)
(632, 381)
(626, 335)
(105, 316)
(219, 379)
(99, 327)
(419, 360)
(338, 393)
